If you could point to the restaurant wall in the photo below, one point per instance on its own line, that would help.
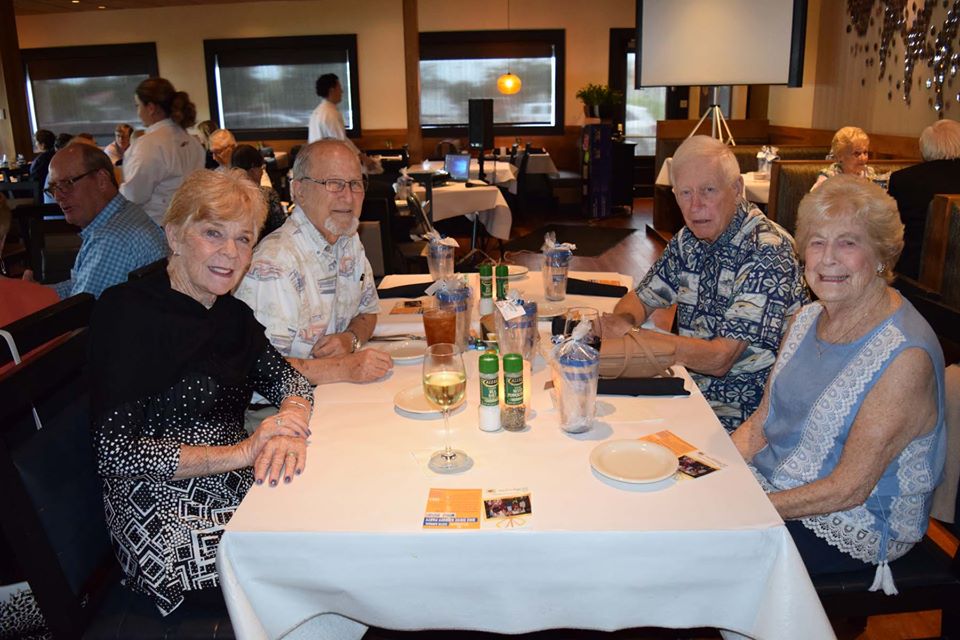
(794, 106)
(845, 91)
(587, 26)
(180, 31)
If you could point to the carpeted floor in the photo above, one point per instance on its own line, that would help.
(590, 241)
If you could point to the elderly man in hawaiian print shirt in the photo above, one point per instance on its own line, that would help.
(733, 275)
(310, 283)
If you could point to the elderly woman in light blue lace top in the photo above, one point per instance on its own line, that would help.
(849, 439)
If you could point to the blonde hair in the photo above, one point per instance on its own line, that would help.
(941, 141)
(224, 136)
(868, 205)
(705, 148)
(845, 138)
(216, 195)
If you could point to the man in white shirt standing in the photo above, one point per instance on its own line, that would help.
(310, 283)
(326, 121)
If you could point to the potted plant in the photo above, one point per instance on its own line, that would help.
(599, 100)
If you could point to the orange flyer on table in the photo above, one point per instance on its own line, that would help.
(407, 307)
(671, 441)
(615, 283)
(452, 509)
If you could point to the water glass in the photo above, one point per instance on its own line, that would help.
(555, 267)
(440, 261)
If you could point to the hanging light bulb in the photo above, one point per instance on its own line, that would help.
(508, 83)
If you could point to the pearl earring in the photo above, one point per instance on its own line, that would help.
(881, 268)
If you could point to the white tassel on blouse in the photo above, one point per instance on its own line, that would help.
(883, 579)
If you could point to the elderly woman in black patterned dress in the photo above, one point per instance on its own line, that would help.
(173, 363)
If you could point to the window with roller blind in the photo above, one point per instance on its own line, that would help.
(265, 87)
(86, 89)
(456, 66)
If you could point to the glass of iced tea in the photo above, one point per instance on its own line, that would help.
(440, 325)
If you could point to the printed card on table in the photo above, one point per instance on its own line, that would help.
(693, 463)
(507, 508)
(452, 509)
(473, 509)
(407, 307)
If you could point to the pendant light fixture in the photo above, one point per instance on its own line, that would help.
(508, 83)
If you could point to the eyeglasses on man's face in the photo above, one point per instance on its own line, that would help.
(66, 186)
(336, 185)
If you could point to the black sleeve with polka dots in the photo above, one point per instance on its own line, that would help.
(275, 378)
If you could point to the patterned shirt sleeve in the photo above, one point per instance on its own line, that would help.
(369, 300)
(768, 288)
(659, 287)
(275, 379)
(272, 289)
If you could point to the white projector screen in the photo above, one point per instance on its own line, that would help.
(718, 42)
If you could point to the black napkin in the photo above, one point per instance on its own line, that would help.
(576, 286)
(641, 387)
(405, 291)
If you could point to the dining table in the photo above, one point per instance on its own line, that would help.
(485, 203)
(352, 542)
(756, 186)
(498, 173)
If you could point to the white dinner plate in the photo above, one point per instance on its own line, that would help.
(413, 401)
(548, 310)
(515, 271)
(633, 461)
(403, 350)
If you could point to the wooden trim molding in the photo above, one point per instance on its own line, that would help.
(881, 145)
(15, 134)
(411, 64)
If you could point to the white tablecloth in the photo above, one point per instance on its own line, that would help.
(505, 174)
(755, 189)
(541, 163)
(346, 536)
(456, 199)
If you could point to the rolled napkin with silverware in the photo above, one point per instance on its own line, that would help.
(404, 291)
(576, 286)
(666, 386)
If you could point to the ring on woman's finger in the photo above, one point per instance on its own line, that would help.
(279, 421)
(291, 454)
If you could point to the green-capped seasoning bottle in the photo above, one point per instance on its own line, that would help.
(486, 288)
(513, 414)
(502, 284)
(489, 392)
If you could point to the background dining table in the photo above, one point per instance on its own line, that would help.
(457, 199)
(756, 187)
(345, 542)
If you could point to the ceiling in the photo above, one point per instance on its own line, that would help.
(30, 7)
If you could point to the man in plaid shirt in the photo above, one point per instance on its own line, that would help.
(117, 236)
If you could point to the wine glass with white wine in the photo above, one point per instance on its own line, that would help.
(444, 385)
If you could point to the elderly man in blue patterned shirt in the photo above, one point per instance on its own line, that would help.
(733, 275)
(116, 235)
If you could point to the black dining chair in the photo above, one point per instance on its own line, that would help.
(53, 504)
(927, 578)
(40, 327)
